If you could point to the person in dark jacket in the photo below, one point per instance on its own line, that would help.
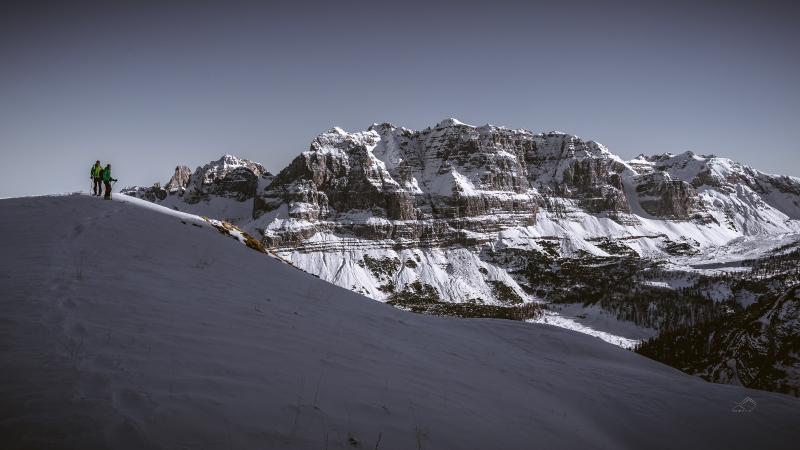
(95, 173)
(107, 179)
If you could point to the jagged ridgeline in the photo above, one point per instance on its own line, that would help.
(494, 222)
(455, 198)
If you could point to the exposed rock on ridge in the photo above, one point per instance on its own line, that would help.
(228, 177)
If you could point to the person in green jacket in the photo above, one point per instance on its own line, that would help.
(95, 173)
(107, 181)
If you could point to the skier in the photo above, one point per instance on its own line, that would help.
(107, 181)
(95, 173)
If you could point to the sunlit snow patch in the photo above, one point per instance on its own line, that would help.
(556, 319)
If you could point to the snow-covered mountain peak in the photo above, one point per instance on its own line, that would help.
(227, 183)
(602, 151)
(229, 158)
(337, 140)
(381, 126)
(688, 166)
(451, 122)
(179, 180)
(215, 170)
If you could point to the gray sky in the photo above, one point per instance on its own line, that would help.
(149, 86)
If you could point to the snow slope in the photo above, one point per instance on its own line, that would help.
(126, 326)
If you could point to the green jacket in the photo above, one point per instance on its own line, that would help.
(95, 171)
(107, 174)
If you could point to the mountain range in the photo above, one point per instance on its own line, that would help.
(493, 222)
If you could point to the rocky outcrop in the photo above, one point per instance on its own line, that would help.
(739, 188)
(180, 179)
(338, 174)
(229, 177)
(575, 169)
(662, 196)
(154, 193)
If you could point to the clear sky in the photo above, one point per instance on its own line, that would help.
(151, 85)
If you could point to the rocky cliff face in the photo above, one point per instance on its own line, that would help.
(451, 177)
(664, 197)
(440, 179)
(723, 190)
(228, 177)
(223, 188)
(179, 180)
(338, 174)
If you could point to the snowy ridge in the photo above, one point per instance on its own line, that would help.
(199, 342)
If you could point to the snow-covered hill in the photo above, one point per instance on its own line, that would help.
(477, 215)
(124, 325)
